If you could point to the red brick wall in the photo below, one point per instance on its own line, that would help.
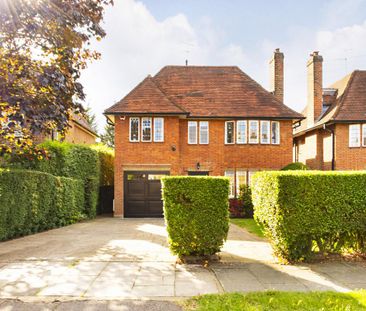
(215, 157)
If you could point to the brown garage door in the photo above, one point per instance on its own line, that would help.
(142, 196)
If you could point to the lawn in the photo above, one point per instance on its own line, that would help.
(280, 301)
(250, 225)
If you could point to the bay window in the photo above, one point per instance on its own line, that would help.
(253, 132)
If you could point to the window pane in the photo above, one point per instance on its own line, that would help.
(192, 132)
(354, 135)
(134, 129)
(275, 132)
(264, 132)
(229, 132)
(241, 132)
(231, 175)
(158, 129)
(364, 135)
(253, 132)
(204, 132)
(241, 179)
(146, 129)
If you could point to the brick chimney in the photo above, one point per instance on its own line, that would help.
(315, 88)
(277, 76)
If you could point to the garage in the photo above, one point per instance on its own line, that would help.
(142, 193)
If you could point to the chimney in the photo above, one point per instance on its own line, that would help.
(315, 88)
(276, 67)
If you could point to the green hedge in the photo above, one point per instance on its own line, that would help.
(106, 160)
(304, 212)
(295, 167)
(196, 214)
(32, 201)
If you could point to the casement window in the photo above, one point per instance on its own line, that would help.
(229, 132)
(364, 135)
(253, 132)
(204, 132)
(192, 132)
(231, 175)
(158, 130)
(146, 129)
(275, 137)
(241, 132)
(134, 129)
(241, 179)
(265, 132)
(354, 135)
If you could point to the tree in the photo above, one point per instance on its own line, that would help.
(91, 119)
(43, 49)
(107, 137)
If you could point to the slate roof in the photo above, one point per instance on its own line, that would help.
(203, 91)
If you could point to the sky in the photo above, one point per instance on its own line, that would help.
(145, 35)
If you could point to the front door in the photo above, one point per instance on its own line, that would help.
(142, 197)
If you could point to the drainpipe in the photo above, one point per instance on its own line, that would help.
(333, 144)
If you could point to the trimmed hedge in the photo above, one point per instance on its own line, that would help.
(295, 167)
(304, 212)
(32, 201)
(196, 214)
(106, 160)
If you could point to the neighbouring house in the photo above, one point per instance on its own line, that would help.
(333, 135)
(197, 120)
(79, 132)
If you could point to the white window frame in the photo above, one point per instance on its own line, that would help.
(190, 124)
(240, 173)
(363, 135)
(162, 130)
(231, 174)
(226, 142)
(249, 129)
(278, 133)
(263, 142)
(358, 126)
(208, 133)
(244, 141)
(138, 130)
(143, 127)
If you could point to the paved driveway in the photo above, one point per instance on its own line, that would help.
(111, 258)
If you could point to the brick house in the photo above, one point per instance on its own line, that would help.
(333, 135)
(197, 120)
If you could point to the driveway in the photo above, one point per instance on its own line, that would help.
(111, 258)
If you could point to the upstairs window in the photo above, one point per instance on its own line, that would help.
(253, 132)
(275, 138)
(204, 132)
(146, 125)
(134, 129)
(229, 132)
(192, 132)
(241, 132)
(158, 130)
(354, 135)
(265, 130)
(364, 135)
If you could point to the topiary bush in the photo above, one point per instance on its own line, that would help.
(304, 212)
(32, 201)
(296, 166)
(196, 214)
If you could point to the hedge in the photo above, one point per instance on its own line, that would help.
(304, 212)
(106, 160)
(295, 166)
(32, 201)
(196, 214)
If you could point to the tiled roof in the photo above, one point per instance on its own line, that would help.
(81, 121)
(203, 91)
(350, 104)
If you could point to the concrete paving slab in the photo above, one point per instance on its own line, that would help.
(153, 290)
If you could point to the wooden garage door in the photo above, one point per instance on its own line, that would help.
(142, 193)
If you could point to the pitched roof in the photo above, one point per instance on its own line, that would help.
(203, 91)
(81, 121)
(350, 105)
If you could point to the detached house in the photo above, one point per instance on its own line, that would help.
(333, 135)
(197, 120)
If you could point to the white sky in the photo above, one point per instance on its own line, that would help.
(138, 44)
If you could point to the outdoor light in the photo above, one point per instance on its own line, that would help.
(198, 165)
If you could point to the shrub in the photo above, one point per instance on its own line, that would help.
(32, 201)
(196, 214)
(91, 197)
(245, 197)
(303, 209)
(296, 166)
